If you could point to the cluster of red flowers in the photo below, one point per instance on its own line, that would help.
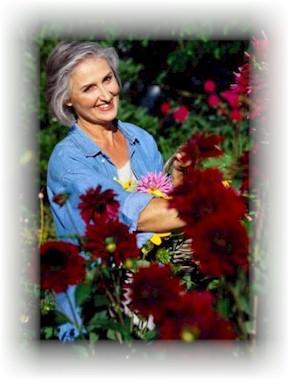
(179, 114)
(106, 238)
(179, 315)
(213, 214)
(244, 98)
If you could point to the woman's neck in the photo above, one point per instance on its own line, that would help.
(99, 133)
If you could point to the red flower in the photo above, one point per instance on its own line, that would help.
(111, 241)
(181, 114)
(153, 288)
(61, 265)
(236, 115)
(242, 80)
(232, 98)
(192, 317)
(203, 193)
(165, 108)
(209, 86)
(201, 146)
(95, 204)
(220, 244)
(213, 100)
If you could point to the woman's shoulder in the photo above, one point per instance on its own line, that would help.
(63, 153)
(135, 131)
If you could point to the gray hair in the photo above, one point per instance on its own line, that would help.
(60, 65)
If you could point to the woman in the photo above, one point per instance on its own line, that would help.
(83, 89)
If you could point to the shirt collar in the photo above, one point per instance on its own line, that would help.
(89, 147)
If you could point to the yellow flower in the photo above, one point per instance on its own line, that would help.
(127, 185)
(157, 238)
(227, 183)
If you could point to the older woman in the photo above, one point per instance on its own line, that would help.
(83, 90)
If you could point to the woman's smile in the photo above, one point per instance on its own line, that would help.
(94, 92)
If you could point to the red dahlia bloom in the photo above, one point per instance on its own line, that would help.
(111, 241)
(95, 204)
(203, 193)
(220, 244)
(152, 289)
(201, 146)
(60, 265)
(236, 115)
(165, 108)
(181, 114)
(209, 86)
(213, 100)
(193, 318)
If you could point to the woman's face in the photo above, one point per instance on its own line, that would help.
(94, 91)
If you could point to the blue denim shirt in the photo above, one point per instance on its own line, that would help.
(77, 164)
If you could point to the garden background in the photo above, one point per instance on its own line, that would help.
(171, 88)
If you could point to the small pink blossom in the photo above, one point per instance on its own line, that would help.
(213, 100)
(209, 86)
(156, 183)
(232, 98)
(181, 114)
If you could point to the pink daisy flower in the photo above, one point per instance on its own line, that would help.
(156, 183)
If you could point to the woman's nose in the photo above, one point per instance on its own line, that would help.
(105, 94)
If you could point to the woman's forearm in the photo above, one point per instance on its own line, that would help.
(158, 218)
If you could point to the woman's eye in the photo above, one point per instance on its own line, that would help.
(88, 89)
(108, 78)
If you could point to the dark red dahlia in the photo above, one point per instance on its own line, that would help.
(110, 242)
(193, 318)
(95, 204)
(220, 244)
(60, 265)
(201, 146)
(153, 289)
(165, 108)
(202, 194)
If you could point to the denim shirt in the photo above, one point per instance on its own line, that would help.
(77, 164)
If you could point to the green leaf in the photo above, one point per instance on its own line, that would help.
(101, 300)
(223, 307)
(150, 335)
(111, 335)
(82, 293)
(213, 284)
(93, 337)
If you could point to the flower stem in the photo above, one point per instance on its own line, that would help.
(75, 320)
(41, 228)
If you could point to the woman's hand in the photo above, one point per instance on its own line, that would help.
(179, 168)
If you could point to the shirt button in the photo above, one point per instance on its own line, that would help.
(102, 160)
